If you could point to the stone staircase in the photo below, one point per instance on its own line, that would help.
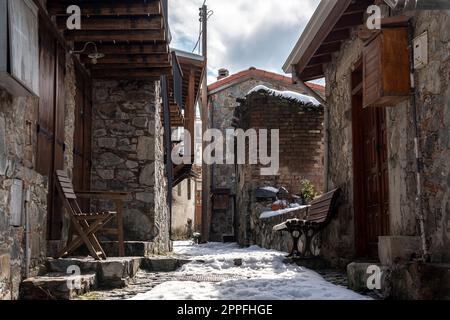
(66, 279)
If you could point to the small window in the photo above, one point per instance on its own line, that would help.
(179, 190)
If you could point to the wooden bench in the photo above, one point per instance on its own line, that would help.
(315, 219)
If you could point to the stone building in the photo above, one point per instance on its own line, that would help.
(90, 103)
(299, 120)
(220, 180)
(395, 206)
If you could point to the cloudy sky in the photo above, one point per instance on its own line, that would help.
(242, 33)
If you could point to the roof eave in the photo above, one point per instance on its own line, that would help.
(319, 17)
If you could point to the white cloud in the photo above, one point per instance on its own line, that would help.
(242, 33)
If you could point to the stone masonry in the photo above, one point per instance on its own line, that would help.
(301, 157)
(222, 104)
(128, 155)
(433, 105)
(23, 191)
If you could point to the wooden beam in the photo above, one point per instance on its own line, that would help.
(319, 60)
(116, 23)
(349, 21)
(118, 35)
(358, 7)
(190, 109)
(131, 59)
(106, 8)
(326, 49)
(324, 32)
(312, 73)
(128, 49)
(338, 36)
(144, 74)
(125, 66)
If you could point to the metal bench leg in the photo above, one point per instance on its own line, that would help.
(295, 252)
(309, 235)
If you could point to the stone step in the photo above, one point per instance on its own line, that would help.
(111, 273)
(58, 286)
(163, 264)
(111, 248)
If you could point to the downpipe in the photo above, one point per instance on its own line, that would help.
(419, 166)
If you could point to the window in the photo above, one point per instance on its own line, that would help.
(19, 68)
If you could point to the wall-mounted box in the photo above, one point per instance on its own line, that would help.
(421, 51)
(386, 68)
(19, 47)
(16, 205)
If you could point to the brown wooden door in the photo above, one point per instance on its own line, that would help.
(50, 135)
(371, 193)
(375, 176)
(82, 134)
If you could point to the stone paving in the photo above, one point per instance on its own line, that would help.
(145, 281)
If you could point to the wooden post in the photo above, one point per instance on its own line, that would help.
(119, 208)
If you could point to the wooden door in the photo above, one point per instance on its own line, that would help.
(375, 176)
(50, 127)
(82, 134)
(371, 193)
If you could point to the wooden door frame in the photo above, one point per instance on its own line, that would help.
(84, 84)
(362, 247)
(359, 198)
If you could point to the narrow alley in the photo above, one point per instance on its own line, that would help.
(220, 271)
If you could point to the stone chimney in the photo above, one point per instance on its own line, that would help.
(223, 73)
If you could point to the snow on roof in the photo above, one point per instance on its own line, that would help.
(290, 95)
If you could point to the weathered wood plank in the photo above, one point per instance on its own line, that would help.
(107, 8)
(116, 23)
(115, 35)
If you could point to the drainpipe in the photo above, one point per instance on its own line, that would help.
(315, 95)
(419, 204)
(27, 234)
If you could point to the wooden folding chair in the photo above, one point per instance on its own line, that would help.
(87, 225)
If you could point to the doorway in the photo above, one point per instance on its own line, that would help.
(370, 168)
(82, 134)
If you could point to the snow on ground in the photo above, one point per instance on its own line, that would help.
(263, 274)
(301, 98)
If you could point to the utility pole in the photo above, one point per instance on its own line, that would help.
(204, 114)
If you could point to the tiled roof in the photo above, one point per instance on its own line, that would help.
(259, 74)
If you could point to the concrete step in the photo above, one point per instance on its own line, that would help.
(111, 273)
(58, 286)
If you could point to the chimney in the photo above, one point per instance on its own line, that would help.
(223, 73)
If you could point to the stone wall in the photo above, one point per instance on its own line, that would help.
(17, 152)
(433, 94)
(23, 192)
(222, 105)
(301, 157)
(128, 155)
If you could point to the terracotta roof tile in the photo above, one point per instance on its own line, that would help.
(253, 72)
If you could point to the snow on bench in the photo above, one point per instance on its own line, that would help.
(271, 214)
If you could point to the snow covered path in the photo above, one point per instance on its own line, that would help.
(249, 274)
